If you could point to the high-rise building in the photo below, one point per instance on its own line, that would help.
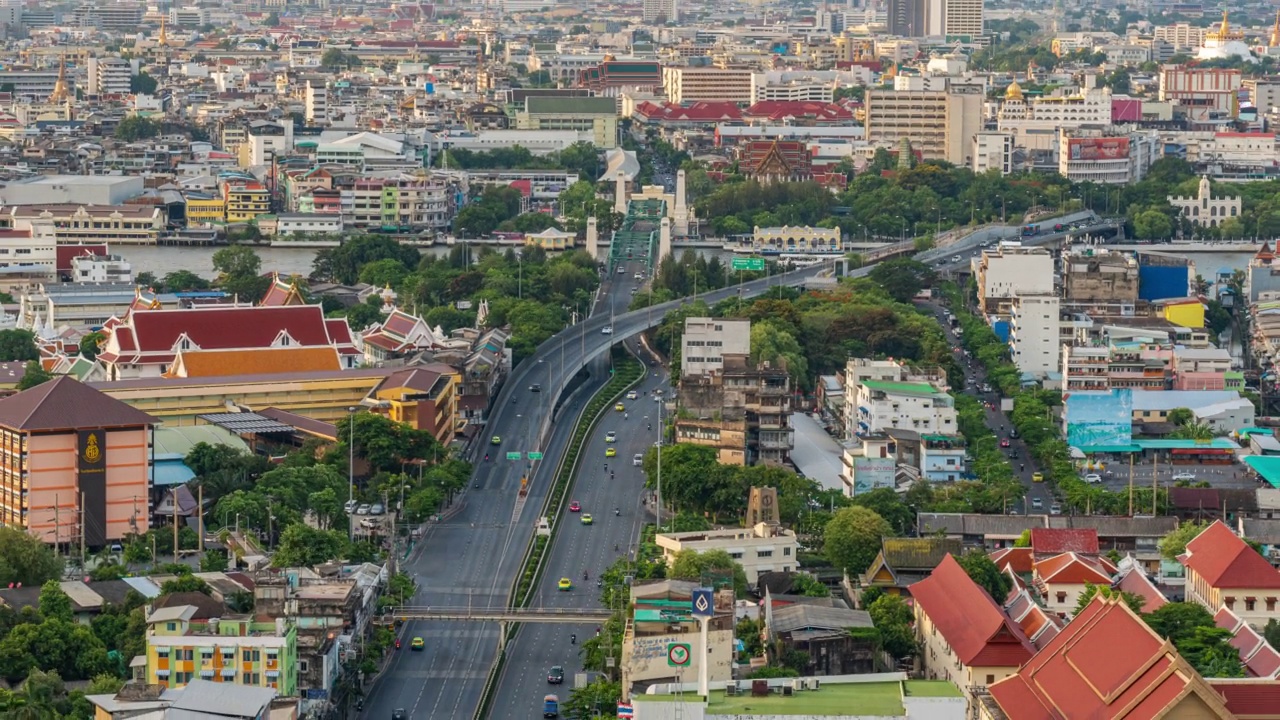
(940, 124)
(962, 18)
(933, 18)
(317, 102)
(661, 11)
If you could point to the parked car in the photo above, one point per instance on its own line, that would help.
(363, 509)
(376, 509)
(1184, 477)
(1093, 478)
(350, 506)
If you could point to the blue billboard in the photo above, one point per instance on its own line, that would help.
(1099, 418)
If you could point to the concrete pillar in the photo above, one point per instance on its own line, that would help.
(620, 193)
(664, 241)
(681, 214)
(593, 239)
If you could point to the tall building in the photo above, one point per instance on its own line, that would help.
(940, 124)
(707, 84)
(110, 76)
(707, 340)
(661, 11)
(317, 102)
(962, 18)
(933, 18)
(231, 650)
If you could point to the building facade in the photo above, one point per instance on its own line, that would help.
(1205, 209)
(707, 340)
(230, 650)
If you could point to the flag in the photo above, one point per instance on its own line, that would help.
(625, 711)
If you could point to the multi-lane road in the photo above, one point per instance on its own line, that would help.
(473, 557)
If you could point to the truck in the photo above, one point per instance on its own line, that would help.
(550, 706)
(1030, 230)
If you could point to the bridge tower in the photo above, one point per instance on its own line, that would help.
(593, 239)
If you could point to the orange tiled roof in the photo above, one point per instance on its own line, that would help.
(225, 363)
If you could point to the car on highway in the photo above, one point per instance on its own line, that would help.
(556, 675)
(955, 258)
(587, 519)
(536, 387)
(1055, 509)
(611, 436)
(575, 506)
(399, 714)
(1037, 503)
(620, 407)
(606, 330)
(1093, 478)
(610, 452)
(417, 644)
(565, 584)
(632, 395)
(496, 440)
(1037, 477)
(1004, 442)
(363, 509)
(1184, 477)
(637, 459)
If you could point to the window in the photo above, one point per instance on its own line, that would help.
(1230, 602)
(764, 553)
(1271, 604)
(1248, 604)
(245, 656)
(302, 666)
(171, 626)
(786, 552)
(991, 679)
(1062, 597)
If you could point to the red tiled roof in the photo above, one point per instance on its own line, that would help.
(975, 627)
(781, 109)
(1135, 581)
(224, 328)
(1250, 698)
(1018, 558)
(708, 112)
(1072, 569)
(1106, 663)
(1226, 561)
(66, 252)
(1259, 658)
(1055, 541)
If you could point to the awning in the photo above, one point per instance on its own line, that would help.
(1200, 451)
(206, 674)
(162, 673)
(766, 548)
(228, 673)
(273, 673)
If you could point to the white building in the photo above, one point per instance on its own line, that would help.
(266, 140)
(706, 341)
(761, 549)
(310, 223)
(962, 18)
(661, 11)
(993, 150)
(101, 269)
(110, 76)
(28, 256)
(707, 84)
(316, 98)
(1009, 271)
(1103, 156)
(880, 405)
(1034, 335)
(1205, 209)
(57, 189)
(1035, 123)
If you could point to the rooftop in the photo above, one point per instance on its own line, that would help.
(858, 699)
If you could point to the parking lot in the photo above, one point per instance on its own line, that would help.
(1237, 477)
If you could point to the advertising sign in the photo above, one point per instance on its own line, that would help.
(91, 467)
(1098, 148)
(678, 654)
(1098, 419)
(872, 473)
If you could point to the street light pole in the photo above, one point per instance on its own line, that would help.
(351, 466)
(657, 509)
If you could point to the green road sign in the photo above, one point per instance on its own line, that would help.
(748, 263)
(513, 456)
(535, 456)
(678, 654)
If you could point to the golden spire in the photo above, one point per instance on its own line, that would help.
(1275, 32)
(164, 38)
(1225, 29)
(60, 92)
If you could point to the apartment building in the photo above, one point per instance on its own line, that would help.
(109, 16)
(1035, 122)
(265, 140)
(110, 75)
(1034, 336)
(1200, 368)
(1203, 94)
(316, 101)
(993, 150)
(919, 406)
(246, 199)
(34, 85)
(1099, 275)
(707, 340)
(763, 548)
(1224, 572)
(963, 19)
(742, 411)
(205, 209)
(397, 202)
(1182, 36)
(231, 650)
(939, 124)
(1118, 365)
(857, 371)
(78, 224)
(1105, 156)
(1011, 270)
(707, 84)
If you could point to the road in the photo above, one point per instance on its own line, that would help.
(577, 547)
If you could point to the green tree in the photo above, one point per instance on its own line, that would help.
(694, 566)
(983, 571)
(25, 559)
(54, 603)
(597, 699)
(902, 278)
(1133, 600)
(809, 586)
(89, 344)
(892, 617)
(185, 583)
(888, 505)
(1191, 629)
(213, 561)
(1180, 416)
(137, 127)
(304, 546)
(18, 345)
(1272, 632)
(852, 538)
(33, 374)
(334, 58)
(143, 83)
(1152, 225)
(1175, 542)
(182, 281)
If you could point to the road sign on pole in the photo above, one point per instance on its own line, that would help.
(678, 654)
(535, 456)
(748, 263)
(513, 456)
(703, 602)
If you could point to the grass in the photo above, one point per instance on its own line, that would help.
(932, 688)
(881, 699)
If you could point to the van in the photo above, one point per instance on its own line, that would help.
(637, 460)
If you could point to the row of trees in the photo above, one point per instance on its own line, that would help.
(582, 158)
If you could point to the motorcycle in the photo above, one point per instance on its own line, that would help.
(397, 644)
(573, 639)
(359, 703)
(616, 512)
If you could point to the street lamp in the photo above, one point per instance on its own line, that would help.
(351, 466)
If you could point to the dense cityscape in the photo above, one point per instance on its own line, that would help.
(653, 360)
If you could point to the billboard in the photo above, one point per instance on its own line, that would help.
(1099, 418)
(91, 467)
(1111, 148)
(872, 473)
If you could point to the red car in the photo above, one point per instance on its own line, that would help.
(574, 506)
(1004, 443)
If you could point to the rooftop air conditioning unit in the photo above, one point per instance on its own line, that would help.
(731, 688)
(787, 691)
(814, 684)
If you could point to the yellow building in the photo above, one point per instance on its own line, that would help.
(423, 397)
(206, 211)
(1187, 313)
(551, 239)
(246, 202)
(598, 116)
(232, 650)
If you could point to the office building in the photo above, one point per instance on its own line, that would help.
(110, 75)
(659, 12)
(595, 115)
(707, 340)
(1203, 94)
(707, 84)
(940, 124)
(993, 150)
(1034, 336)
(1012, 270)
(1105, 156)
(75, 464)
(962, 19)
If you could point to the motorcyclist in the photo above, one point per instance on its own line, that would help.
(616, 511)
(573, 638)
(486, 457)
(584, 575)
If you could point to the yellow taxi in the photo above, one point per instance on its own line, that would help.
(586, 519)
(1037, 477)
(565, 584)
(417, 644)
(610, 452)
(619, 407)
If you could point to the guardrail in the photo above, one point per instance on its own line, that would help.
(511, 614)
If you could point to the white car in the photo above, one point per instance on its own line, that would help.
(956, 258)
(611, 436)
(1093, 478)
(1188, 477)
(637, 459)
(632, 395)
(606, 330)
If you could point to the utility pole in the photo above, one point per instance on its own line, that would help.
(1130, 484)
(1155, 481)
(200, 509)
(175, 525)
(57, 527)
(658, 505)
